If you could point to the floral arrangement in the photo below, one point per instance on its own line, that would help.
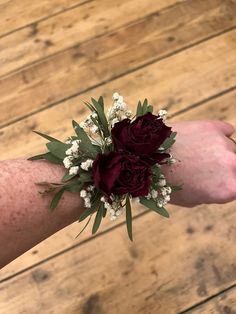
(113, 158)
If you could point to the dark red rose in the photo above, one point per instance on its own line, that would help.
(121, 173)
(142, 137)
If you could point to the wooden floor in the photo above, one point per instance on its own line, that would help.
(182, 56)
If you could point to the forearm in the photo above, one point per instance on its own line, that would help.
(25, 219)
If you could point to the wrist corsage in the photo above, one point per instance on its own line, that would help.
(112, 159)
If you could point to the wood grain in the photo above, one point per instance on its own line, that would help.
(221, 108)
(28, 12)
(173, 83)
(42, 39)
(224, 303)
(171, 265)
(102, 59)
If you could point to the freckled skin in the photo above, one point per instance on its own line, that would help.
(25, 220)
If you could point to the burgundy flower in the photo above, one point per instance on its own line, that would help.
(142, 137)
(120, 173)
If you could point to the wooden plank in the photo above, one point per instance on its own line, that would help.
(72, 27)
(224, 303)
(28, 11)
(100, 60)
(174, 83)
(220, 108)
(171, 265)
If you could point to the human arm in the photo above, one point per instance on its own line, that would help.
(206, 166)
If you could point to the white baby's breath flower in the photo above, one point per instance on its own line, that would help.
(115, 96)
(103, 199)
(114, 121)
(94, 129)
(107, 205)
(74, 170)
(163, 191)
(160, 203)
(167, 198)
(161, 182)
(94, 115)
(128, 113)
(108, 140)
(83, 193)
(86, 165)
(87, 202)
(68, 152)
(162, 114)
(112, 211)
(120, 100)
(168, 189)
(83, 125)
(67, 162)
(90, 188)
(154, 193)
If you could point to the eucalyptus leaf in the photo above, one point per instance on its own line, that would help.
(58, 149)
(150, 108)
(51, 139)
(84, 226)
(139, 111)
(89, 106)
(85, 145)
(74, 186)
(101, 116)
(56, 199)
(169, 141)
(47, 156)
(101, 102)
(129, 218)
(98, 218)
(68, 177)
(104, 212)
(85, 176)
(176, 188)
(153, 206)
(145, 106)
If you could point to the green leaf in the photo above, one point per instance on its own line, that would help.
(95, 203)
(153, 206)
(145, 106)
(129, 218)
(104, 212)
(169, 141)
(89, 106)
(101, 115)
(47, 156)
(139, 111)
(85, 176)
(86, 145)
(176, 188)
(98, 218)
(51, 139)
(150, 108)
(58, 149)
(68, 176)
(74, 186)
(84, 227)
(101, 102)
(56, 199)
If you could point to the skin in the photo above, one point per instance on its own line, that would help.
(206, 165)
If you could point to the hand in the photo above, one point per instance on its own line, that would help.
(206, 163)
